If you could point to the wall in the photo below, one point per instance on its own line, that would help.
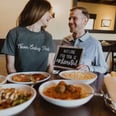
(59, 26)
(10, 10)
(102, 36)
(103, 12)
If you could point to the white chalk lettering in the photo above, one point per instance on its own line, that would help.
(67, 62)
(69, 51)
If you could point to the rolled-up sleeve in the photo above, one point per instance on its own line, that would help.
(100, 63)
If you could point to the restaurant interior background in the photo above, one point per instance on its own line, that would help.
(105, 18)
(10, 10)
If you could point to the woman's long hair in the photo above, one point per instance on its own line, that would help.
(33, 11)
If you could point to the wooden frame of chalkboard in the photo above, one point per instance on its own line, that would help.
(67, 57)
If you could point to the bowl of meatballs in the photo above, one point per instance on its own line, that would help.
(66, 93)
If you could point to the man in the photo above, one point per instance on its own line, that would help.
(92, 57)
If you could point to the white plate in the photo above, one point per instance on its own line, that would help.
(9, 77)
(3, 79)
(66, 103)
(19, 108)
(82, 77)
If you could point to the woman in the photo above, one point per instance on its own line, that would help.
(28, 45)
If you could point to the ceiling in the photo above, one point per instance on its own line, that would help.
(110, 2)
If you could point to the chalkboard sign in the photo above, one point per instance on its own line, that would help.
(67, 57)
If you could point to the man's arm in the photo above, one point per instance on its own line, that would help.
(100, 64)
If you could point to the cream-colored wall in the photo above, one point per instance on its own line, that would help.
(59, 26)
(10, 9)
(103, 36)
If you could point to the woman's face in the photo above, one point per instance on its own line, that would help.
(46, 18)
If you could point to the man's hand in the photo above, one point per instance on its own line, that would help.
(82, 67)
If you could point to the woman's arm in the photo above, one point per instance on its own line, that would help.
(10, 66)
(50, 62)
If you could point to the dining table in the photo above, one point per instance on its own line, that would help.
(95, 107)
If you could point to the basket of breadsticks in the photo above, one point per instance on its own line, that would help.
(110, 84)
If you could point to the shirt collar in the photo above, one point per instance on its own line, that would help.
(81, 39)
(84, 37)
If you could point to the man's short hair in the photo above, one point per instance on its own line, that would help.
(84, 10)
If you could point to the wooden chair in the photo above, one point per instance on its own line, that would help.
(113, 61)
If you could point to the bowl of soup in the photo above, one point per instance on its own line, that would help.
(66, 93)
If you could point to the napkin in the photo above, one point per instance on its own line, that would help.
(105, 43)
(110, 83)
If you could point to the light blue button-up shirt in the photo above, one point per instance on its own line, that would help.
(92, 55)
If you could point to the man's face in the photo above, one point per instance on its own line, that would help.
(77, 21)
